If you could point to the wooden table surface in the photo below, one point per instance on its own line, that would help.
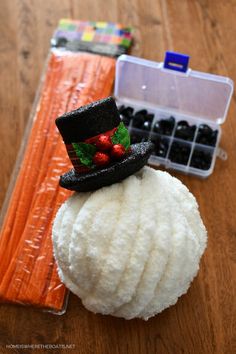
(203, 320)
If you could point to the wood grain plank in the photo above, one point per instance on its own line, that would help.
(203, 320)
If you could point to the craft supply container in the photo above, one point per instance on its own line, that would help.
(171, 89)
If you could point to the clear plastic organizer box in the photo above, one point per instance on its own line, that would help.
(177, 108)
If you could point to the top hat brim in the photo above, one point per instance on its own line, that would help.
(113, 173)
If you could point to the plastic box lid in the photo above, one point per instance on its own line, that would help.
(197, 94)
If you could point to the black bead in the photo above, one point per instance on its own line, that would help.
(172, 120)
(203, 140)
(121, 108)
(164, 126)
(147, 125)
(184, 131)
(161, 146)
(139, 118)
(126, 111)
(142, 112)
(201, 159)
(179, 153)
(168, 126)
(149, 117)
(214, 137)
(138, 121)
(204, 129)
(125, 119)
(206, 135)
(158, 128)
(183, 123)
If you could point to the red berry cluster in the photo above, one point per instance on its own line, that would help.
(104, 144)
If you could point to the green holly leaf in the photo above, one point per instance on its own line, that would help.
(121, 136)
(85, 153)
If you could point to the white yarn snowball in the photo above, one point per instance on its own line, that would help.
(130, 249)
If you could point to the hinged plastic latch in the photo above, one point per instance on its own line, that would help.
(222, 154)
(176, 61)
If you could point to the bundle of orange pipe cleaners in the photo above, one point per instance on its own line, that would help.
(28, 273)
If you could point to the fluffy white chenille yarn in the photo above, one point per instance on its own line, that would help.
(130, 249)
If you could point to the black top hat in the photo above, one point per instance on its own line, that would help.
(98, 145)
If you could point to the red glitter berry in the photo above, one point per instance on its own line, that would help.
(101, 159)
(117, 151)
(104, 143)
